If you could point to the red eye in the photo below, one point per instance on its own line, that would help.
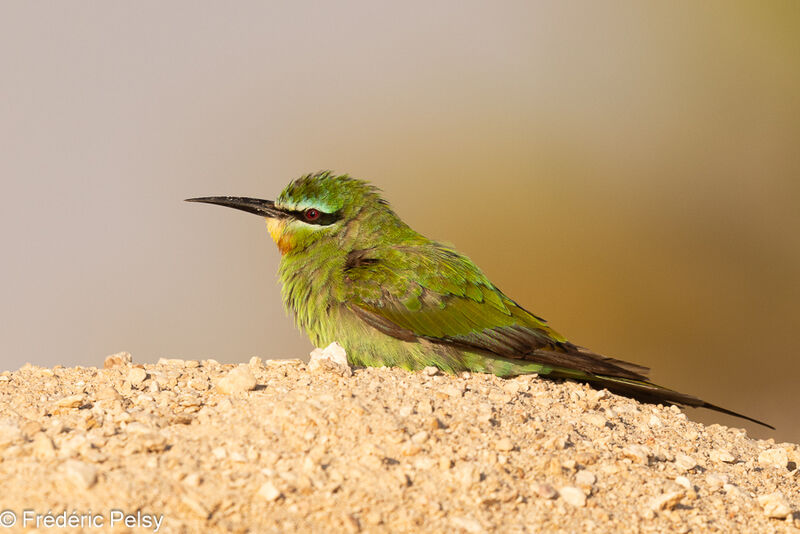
(311, 214)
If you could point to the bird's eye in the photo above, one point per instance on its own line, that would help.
(311, 214)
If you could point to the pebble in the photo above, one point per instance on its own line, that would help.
(120, 358)
(420, 437)
(239, 380)
(667, 501)
(585, 479)
(195, 506)
(637, 453)
(504, 445)
(81, 474)
(654, 422)
(137, 376)
(72, 401)
(9, 434)
(332, 358)
(467, 524)
(107, 392)
(430, 371)
(716, 480)
(685, 462)
(573, 496)
(777, 458)
(683, 482)
(545, 491)
(775, 505)
(43, 446)
(721, 456)
(596, 419)
(269, 492)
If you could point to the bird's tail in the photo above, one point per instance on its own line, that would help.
(653, 393)
(641, 390)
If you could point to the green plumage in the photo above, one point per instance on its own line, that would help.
(353, 272)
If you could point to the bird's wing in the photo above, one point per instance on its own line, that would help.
(432, 292)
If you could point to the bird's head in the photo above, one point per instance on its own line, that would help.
(312, 207)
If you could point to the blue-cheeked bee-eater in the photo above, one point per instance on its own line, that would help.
(353, 272)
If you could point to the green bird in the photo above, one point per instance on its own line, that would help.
(353, 272)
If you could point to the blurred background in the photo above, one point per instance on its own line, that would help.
(629, 171)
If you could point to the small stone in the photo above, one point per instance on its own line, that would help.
(775, 505)
(667, 501)
(410, 449)
(332, 358)
(106, 392)
(195, 506)
(504, 445)
(585, 479)
(777, 458)
(219, 453)
(716, 480)
(468, 524)
(453, 391)
(238, 380)
(545, 491)
(255, 361)
(192, 479)
(43, 446)
(430, 371)
(269, 492)
(637, 453)
(30, 429)
(150, 442)
(171, 362)
(596, 419)
(654, 422)
(120, 358)
(683, 482)
(420, 437)
(73, 401)
(573, 496)
(721, 456)
(81, 474)
(136, 376)
(424, 407)
(432, 423)
(684, 462)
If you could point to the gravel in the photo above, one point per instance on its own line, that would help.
(272, 446)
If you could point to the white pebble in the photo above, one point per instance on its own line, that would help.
(573, 496)
(775, 505)
(667, 501)
(239, 380)
(332, 358)
(269, 492)
(774, 458)
(136, 376)
(684, 462)
(81, 474)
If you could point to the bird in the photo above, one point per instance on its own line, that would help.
(353, 272)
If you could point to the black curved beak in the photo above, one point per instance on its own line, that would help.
(264, 208)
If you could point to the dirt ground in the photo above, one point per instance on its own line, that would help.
(284, 446)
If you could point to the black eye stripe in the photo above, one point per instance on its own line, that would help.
(324, 219)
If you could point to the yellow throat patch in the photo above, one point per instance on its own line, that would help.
(277, 230)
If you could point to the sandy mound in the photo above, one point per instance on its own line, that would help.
(274, 447)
